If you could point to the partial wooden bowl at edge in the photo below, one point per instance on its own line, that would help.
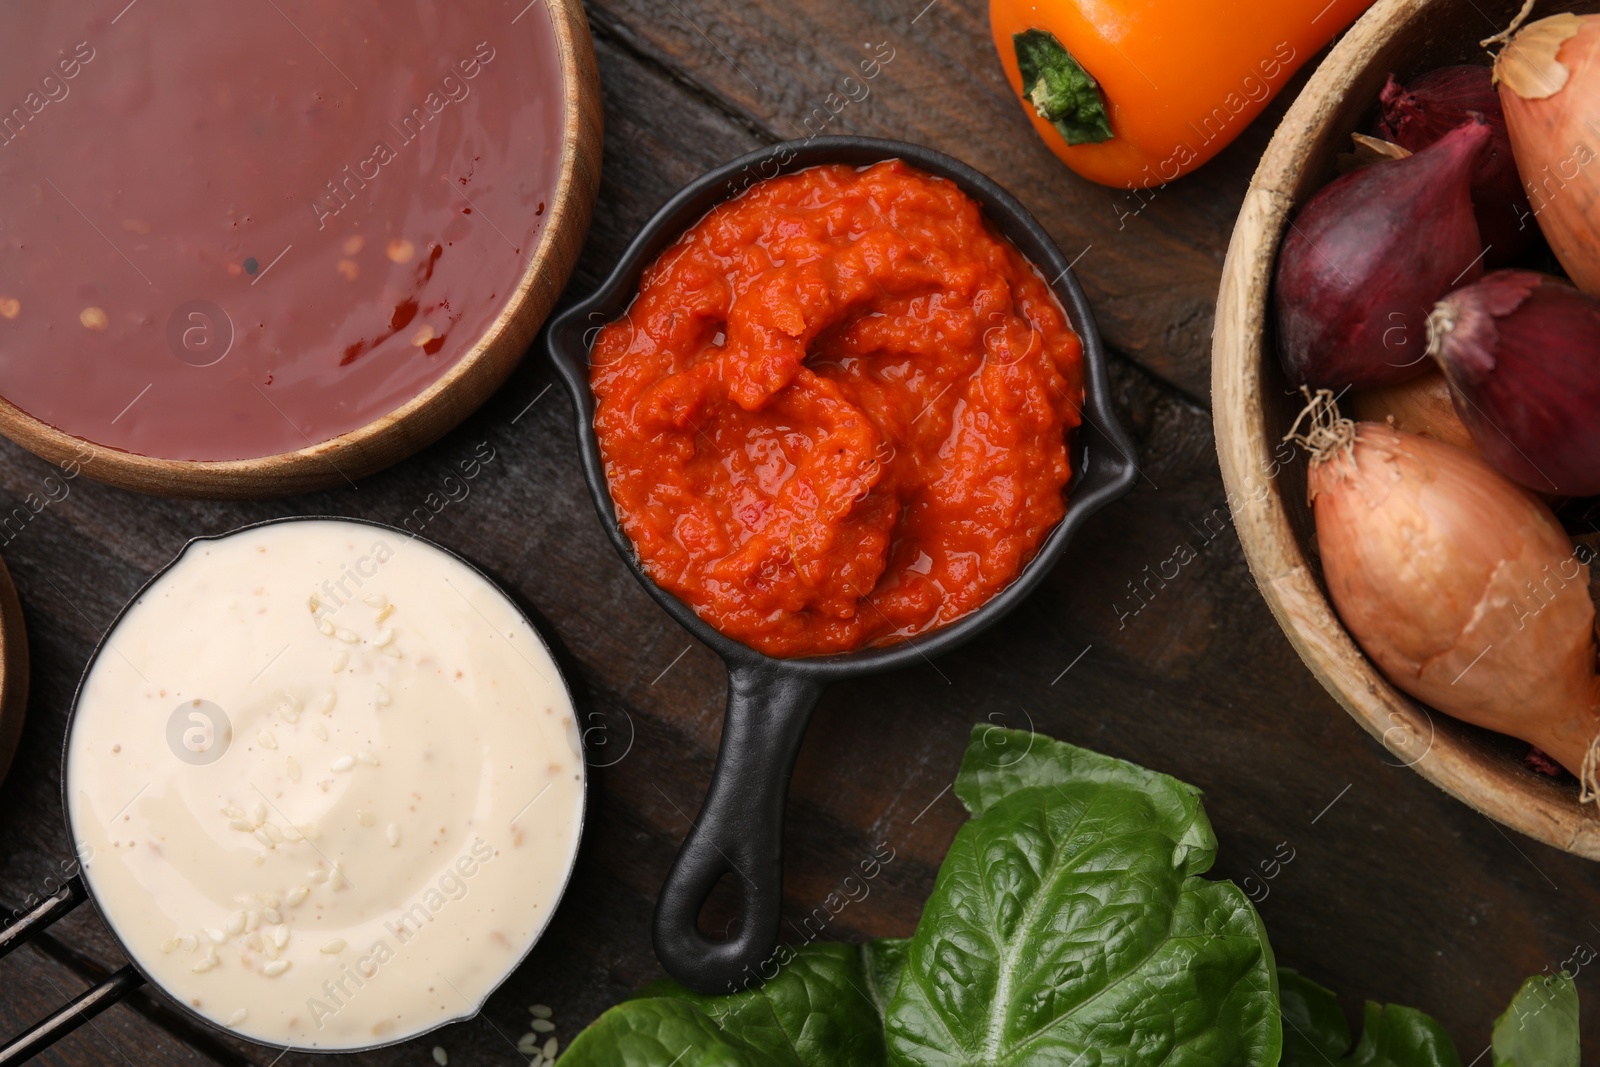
(429, 415)
(1254, 406)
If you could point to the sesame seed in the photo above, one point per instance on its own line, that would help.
(343, 763)
(242, 825)
(204, 965)
(334, 946)
(259, 812)
(368, 758)
(551, 1047)
(384, 637)
(392, 651)
(94, 318)
(252, 919)
(376, 600)
(440, 1056)
(349, 637)
(237, 1017)
(272, 915)
(528, 1045)
(275, 968)
(393, 834)
(317, 876)
(326, 701)
(336, 877)
(216, 935)
(266, 740)
(543, 1026)
(188, 942)
(341, 660)
(401, 251)
(540, 1011)
(169, 944)
(264, 838)
(422, 336)
(236, 923)
(293, 770)
(231, 812)
(10, 307)
(296, 896)
(280, 936)
(325, 627)
(385, 613)
(320, 730)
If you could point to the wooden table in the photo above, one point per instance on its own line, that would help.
(1395, 891)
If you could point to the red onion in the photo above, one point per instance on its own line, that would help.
(1522, 353)
(1417, 115)
(1368, 257)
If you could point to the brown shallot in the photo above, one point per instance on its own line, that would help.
(1461, 587)
(1549, 81)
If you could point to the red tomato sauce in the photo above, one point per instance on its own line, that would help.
(234, 230)
(837, 413)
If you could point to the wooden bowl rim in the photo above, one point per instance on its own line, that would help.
(264, 474)
(1490, 784)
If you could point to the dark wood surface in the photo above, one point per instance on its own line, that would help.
(1395, 891)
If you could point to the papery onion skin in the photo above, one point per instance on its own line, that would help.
(1417, 114)
(1461, 587)
(1421, 405)
(1522, 353)
(1556, 137)
(1368, 256)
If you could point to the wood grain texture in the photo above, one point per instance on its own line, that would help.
(1396, 891)
(458, 393)
(13, 670)
(1254, 407)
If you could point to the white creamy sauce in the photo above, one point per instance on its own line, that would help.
(395, 807)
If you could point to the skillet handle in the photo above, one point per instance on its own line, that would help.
(80, 1009)
(739, 831)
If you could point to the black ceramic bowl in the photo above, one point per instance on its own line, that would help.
(740, 828)
(76, 888)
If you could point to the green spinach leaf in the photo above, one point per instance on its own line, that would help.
(1069, 925)
(817, 1012)
(1540, 1028)
(1314, 1027)
(1395, 1036)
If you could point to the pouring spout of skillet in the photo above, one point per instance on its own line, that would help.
(739, 830)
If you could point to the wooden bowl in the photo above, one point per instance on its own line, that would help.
(438, 409)
(1254, 406)
(13, 670)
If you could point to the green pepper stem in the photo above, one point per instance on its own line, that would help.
(1060, 90)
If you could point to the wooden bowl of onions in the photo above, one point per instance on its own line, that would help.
(1413, 696)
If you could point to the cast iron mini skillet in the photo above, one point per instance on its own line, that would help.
(740, 829)
(75, 891)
